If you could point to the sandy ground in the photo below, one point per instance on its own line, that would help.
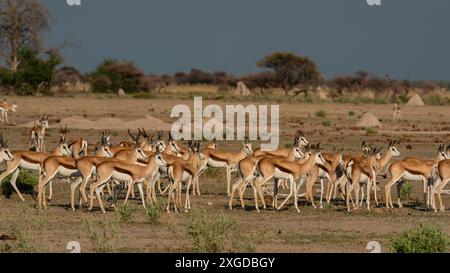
(331, 229)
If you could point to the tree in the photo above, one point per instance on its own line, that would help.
(262, 81)
(34, 73)
(112, 75)
(22, 23)
(291, 70)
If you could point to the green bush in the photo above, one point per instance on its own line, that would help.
(153, 212)
(407, 190)
(326, 123)
(33, 74)
(26, 181)
(209, 234)
(351, 113)
(124, 213)
(321, 114)
(102, 233)
(112, 75)
(425, 239)
(434, 99)
(371, 131)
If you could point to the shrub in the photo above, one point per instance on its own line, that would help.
(371, 131)
(209, 234)
(326, 123)
(434, 99)
(425, 239)
(102, 234)
(406, 190)
(321, 114)
(112, 75)
(25, 182)
(351, 113)
(124, 213)
(153, 212)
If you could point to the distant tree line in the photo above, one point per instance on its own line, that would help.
(28, 68)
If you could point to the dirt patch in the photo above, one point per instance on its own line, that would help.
(79, 122)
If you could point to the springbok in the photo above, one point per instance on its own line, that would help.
(361, 172)
(37, 134)
(413, 169)
(126, 172)
(329, 171)
(183, 171)
(78, 146)
(247, 167)
(5, 107)
(226, 159)
(5, 154)
(29, 160)
(443, 170)
(281, 168)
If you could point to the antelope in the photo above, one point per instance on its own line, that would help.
(126, 172)
(183, 171)
(329, 171)
(281, 168)
(37, 134)
(5, 107)
(5, 154)
(126, 154)
(226, 159)
(78, 146)
(382, 160)
(247, 167)
(212, 145)
(359, 172)
(86, 166)
(341, 177)
(397, 112)
(413, 169)
(29, 160)
(443, 170)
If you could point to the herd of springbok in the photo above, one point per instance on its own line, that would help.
(145, 161)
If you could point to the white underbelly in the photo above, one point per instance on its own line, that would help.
(323, 174)
(29, 166)
(412, 177)
(281, 175)
(120, 176)
(66, 172)
(216, 164)
(363, 179)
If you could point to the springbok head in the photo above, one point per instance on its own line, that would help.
(5, 154)
(392, 149)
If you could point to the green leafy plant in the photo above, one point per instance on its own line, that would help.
(102, 234)
(326, 123)
(26, 181)
(321, 114)
(124, 213)
(371, 131)
(425, 239)
(153, 212)
(407, 190)
(209, 234)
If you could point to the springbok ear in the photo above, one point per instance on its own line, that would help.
(214, 140)
(318, 147)
(363, 144)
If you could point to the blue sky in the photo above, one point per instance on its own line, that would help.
(407, 39)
